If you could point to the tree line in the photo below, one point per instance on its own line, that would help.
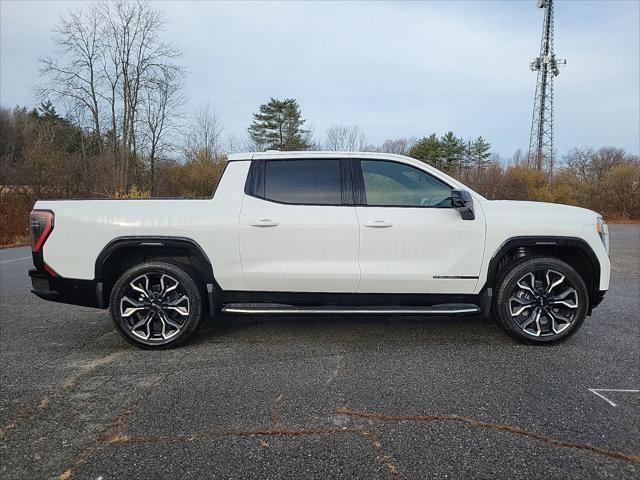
(112, 124)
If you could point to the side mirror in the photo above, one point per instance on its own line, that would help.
(462, 201)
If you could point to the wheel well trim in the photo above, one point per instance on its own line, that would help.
(542, 241)
(124, 242)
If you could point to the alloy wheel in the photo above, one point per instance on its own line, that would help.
(543, 303)
(155, 307)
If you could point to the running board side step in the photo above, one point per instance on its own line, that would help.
(277, 309)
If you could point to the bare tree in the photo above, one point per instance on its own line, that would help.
(204, 137)
(73, 74)
(399, 146)
(579, 161)
(135, 56)
(240, 143)
(112, 62)
(345, 138)
(593, 165)
(520, 158)
(163, 101)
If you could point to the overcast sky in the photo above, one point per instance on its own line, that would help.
(395, 69)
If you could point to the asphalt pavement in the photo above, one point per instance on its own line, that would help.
(319, 397)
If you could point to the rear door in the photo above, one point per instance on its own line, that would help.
(298, 227)
(411, 240)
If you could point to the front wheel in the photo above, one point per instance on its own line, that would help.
(541, 300)
(156, 305)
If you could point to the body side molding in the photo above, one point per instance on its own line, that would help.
(334, 299)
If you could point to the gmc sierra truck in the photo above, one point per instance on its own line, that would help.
(322, 233)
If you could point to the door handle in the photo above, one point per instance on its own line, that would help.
(378, 224)
(263, 222)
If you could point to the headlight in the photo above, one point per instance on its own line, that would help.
(603, 231)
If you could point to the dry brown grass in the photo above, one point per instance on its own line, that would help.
(17, 241)
(14, 220)
(624, 221)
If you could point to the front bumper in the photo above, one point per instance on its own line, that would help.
(596, 299)
(65, 290)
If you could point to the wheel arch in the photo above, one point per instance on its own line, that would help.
(123, 252)
(572, 250)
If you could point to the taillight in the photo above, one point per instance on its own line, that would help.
(40, 226)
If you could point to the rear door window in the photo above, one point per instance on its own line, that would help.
(303, 182)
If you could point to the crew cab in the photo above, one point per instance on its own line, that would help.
(323, 233)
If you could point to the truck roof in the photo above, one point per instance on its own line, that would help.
(292, 155)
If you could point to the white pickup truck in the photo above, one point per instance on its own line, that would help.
(321, 233)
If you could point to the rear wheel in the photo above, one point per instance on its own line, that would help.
(156, 305)
(541, 300)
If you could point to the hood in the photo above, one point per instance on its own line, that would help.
(528, 208)
(538, 218)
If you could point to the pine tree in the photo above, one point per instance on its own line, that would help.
(480, 152)
(278, 126)
(47, 111)
(467, 155)
(428, 150)
(453, 149)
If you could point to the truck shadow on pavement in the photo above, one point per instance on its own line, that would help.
(453, 330)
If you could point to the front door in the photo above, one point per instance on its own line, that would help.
(298, 231)
(411, 240)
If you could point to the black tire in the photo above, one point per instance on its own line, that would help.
(561, 311)
(163, 317)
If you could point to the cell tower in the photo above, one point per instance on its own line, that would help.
(547, 66)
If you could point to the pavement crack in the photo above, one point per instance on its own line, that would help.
(275, 413)
(491, 426)
(204, 435)
(23, 415)
(112, 434)
(90, 367)
(336, 370)
(26, 413)
(382, 456)
(288, 433)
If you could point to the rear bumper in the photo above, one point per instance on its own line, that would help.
(65, 290)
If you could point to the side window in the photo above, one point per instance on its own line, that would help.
(303, 182)
(391, 184)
